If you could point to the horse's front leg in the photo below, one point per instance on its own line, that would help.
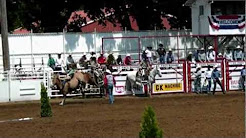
(63, 100)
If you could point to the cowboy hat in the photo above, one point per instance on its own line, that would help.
(198, 66)
(202, 48)
(219, 54)
(190, 53)
(210, 47)
(108, 71)
(128, 55)
(170, 49)
(238, 47)
(216, 66)
(160, 45)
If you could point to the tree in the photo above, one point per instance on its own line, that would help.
(45, 104)
(53, 15)
(149, 126)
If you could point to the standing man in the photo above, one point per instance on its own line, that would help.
(216, 79)
(149, 54)
(162, 53)
(201, 55)
(228, 55)
(208, 75)
(51, 62)
(109, 83)
(243, 74)
(101, 60)
(211, 54)
(238, 54)
(59, 63)
(197, 82)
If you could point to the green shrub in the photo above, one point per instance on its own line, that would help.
(45, 104)
(149, 126)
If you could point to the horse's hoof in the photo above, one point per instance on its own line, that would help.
(61, 104)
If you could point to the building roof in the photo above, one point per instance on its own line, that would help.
(189, 2)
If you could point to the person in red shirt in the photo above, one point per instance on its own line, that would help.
(101, 59)
(128, 60)
(109, 83)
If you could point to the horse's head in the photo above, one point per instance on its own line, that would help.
(56, 82)
(157, 71)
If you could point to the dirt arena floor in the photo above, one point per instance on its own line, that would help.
(179, 115)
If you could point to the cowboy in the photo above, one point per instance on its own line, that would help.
(201, 55)
(128, 60)
(162, 53)
(71, 71)
(70, 61)
(216, 75)
(208, 75)
(101, 59)
(51, 62)
(228, 55)
(170, 57)
(109, 83)
(197, 82)
(143, 70)
(59, 63)
(189, 57)
(243, 74)
(211, 54)
(238, 54)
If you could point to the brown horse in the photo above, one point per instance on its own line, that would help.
(79, 80)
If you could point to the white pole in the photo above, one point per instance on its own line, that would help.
(31, 50)
(95, 41)
(63, 42)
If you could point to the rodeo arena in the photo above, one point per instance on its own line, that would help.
(205, 66)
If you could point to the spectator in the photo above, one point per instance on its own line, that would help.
(211, 54)
(59, 63)
(189, 57)
(144, 55)
(220, 57)
(238, 54)
(243, 74)
(51, 62)
(149, 54)
(128, 60)
(208, 75)
(162, 53)
(109, 83)
(111, 59)
(119, 60)
(70, 61)
(82, 61)
(196, 53)
(216, 75)
(201, 55)
(228, 55)
(93, 59)
(170, 57)
(101, 60)
(197, 82)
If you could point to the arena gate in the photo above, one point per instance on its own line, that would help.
(233, 74)
(204, 66)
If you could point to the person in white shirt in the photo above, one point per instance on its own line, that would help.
(208, 75)
(149, 54)
(202, 55)
(228, 55)
(59, 63)
(211, 54)
(238, 54)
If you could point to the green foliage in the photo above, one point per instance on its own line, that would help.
(149, 126)
(45, 104)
